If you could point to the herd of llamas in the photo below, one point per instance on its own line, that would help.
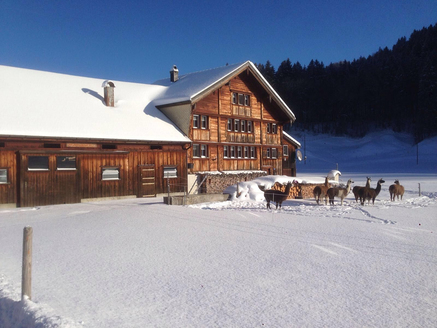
(326, 192)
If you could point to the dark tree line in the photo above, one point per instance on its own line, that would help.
(393, 88)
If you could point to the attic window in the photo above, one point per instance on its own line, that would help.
(109, 146)
(50, 145)
(240, 99)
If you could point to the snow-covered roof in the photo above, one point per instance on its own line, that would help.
(192, 86)
(291, 139)
(42, 104)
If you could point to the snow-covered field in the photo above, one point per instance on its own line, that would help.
(140, 263)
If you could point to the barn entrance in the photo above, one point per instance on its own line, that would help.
(48, 178)
(146, 180)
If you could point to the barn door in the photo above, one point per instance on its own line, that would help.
(146, 180)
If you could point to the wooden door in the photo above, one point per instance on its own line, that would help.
(147, 180)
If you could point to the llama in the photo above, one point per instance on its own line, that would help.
(321, 191)
(277, 196)
(339, 192)
(396, 190)
(356, 189)
(370, 193)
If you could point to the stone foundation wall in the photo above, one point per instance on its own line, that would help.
(218, 182)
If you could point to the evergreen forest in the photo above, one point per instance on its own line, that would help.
(393, 88)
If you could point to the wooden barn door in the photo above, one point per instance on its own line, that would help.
(147, 180)
(47, 179)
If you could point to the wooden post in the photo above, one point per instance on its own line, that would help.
(26, 282)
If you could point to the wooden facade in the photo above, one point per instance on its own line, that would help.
(37, 174)
(237, 127)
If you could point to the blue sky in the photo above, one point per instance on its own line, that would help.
(139, 41)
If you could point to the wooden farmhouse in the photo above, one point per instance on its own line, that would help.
(67, 139)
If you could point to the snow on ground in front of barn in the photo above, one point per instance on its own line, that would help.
(140, 263)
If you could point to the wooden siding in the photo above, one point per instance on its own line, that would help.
(8, 191)
(219, 107)
(61, 186)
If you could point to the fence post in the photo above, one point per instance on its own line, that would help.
(26, 278)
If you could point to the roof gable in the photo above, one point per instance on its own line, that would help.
(192, 87)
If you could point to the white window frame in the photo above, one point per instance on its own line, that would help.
(240, 99)
(243, 126)
(268, 153)
(285, 150)
(274, 128)
(239, 152)
(236, 125)
(58, 168)
(38, 168)
(274, 153)
(110, 173)
(268, 130)
(252, 152)
(225, 151)
(234, 97)
(246, 100)
(196, 121)
(203, 151)
(170, 172)
(232, 152)
(230, 125)
(249, 126)
(246, 151)
(196, 150)
(204, 122)
(4, 178)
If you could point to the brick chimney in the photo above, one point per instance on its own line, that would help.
(108, 88)
(174, 74)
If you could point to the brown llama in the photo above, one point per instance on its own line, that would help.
(339, 192)
(356, 189)
(370, 193)
(321, 191)
(277, 196)
(396, 190)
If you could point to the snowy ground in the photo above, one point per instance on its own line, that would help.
(140, 263)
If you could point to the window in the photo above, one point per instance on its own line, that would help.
(170, 172)
(246, 100)
(240, 99)
(268, 153)
(246, 152)
(285, 150)
(225, 151)
(232, 151)
(110, 173)
(229, 124)
(38, 163)
(109, 146)
(3, 176)
(195, 121)
(274, 153)
(272, 128)
(65, 162)
(252, 152)
(204, 122)
(234, 97)
(239, 152)
(49, 145)
(196, 150)
(236, 125)
(243, 126)
(203, 150)
(249, 126)
(200, 151)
